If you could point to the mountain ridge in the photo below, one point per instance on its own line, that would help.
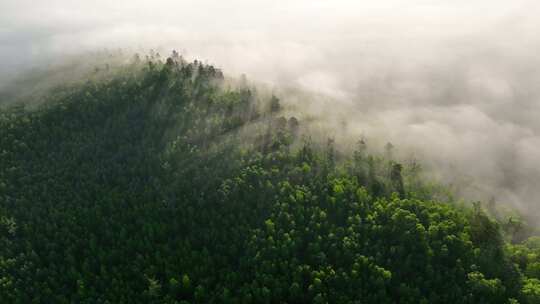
(153, 182)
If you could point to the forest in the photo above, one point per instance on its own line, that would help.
(158, 180)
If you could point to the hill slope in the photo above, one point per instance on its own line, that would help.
(155, 183)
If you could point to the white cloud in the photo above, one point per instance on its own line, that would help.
(455, 81)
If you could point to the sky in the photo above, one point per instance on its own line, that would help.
(455, 83)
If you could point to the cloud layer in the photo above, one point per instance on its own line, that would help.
(456, 83)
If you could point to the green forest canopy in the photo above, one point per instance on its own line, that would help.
(154, 182)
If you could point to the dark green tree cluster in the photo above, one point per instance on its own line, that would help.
(156, 182)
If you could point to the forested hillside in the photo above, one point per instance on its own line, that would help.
(159, 182)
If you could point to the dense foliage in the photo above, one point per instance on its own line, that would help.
(156, 182)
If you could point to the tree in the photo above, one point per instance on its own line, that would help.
(397, 179)
(275, 106)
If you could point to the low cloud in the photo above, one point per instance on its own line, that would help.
(454, 83)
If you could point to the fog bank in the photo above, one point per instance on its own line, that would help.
(455, 83)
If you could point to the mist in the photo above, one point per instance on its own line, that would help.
(455, 84)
